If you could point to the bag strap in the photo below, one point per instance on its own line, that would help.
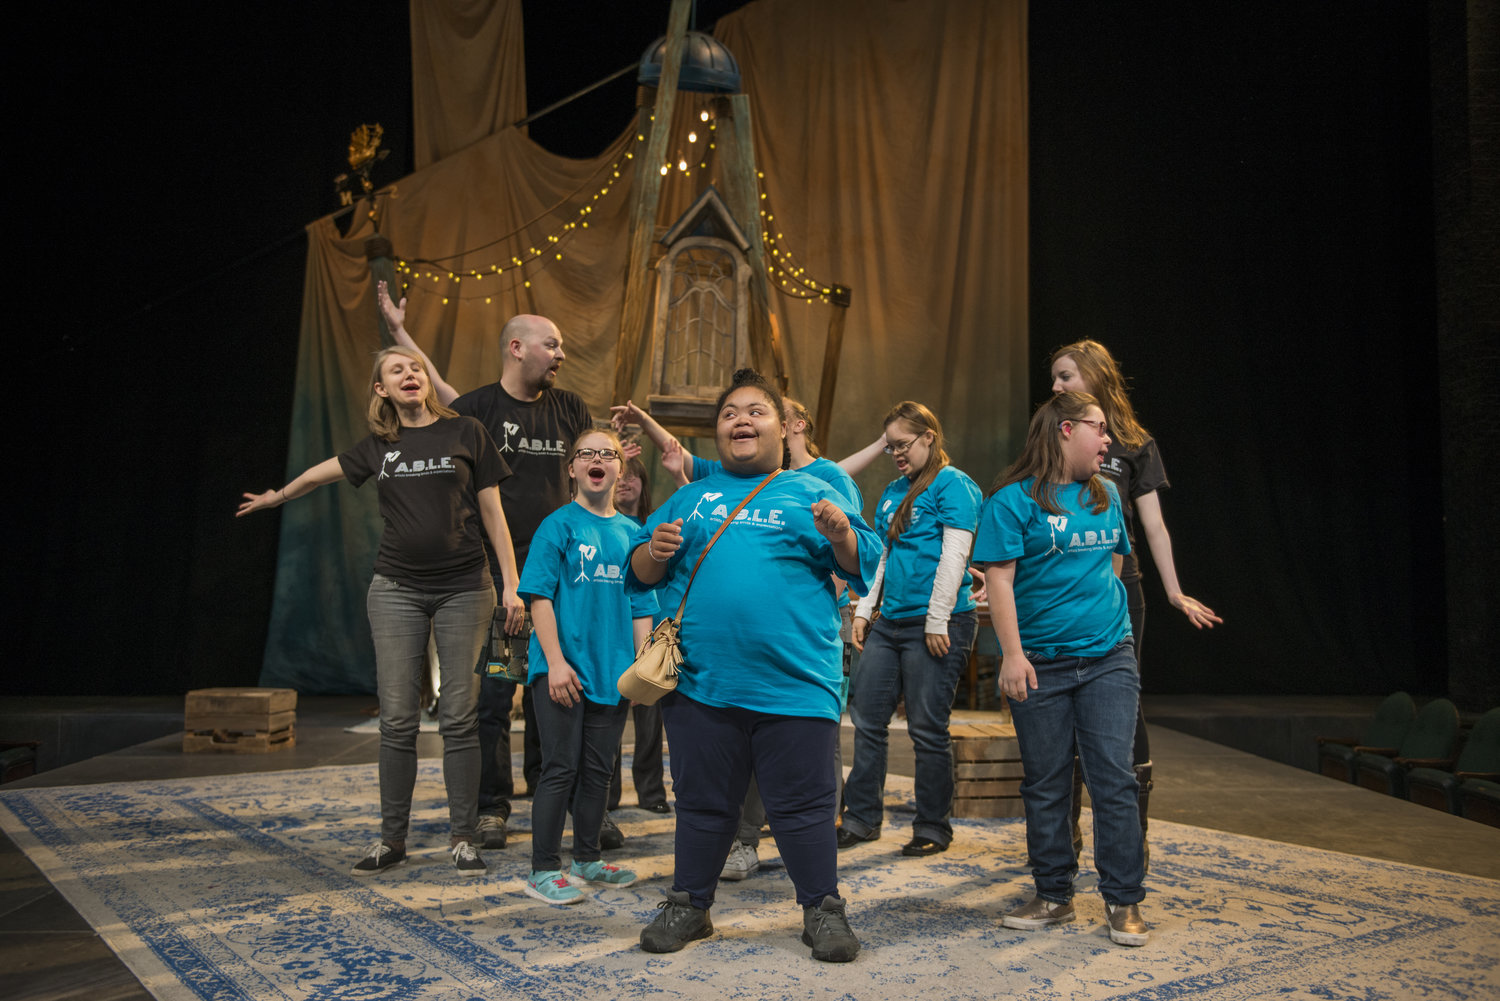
(748, 497)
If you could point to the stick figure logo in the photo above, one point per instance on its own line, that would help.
(706, 497)
(390, 457)
(585, 553)
(510, 429)
(1058, 523)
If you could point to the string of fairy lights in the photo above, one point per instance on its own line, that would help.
(515, 266)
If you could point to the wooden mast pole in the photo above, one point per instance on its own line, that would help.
(647, 197)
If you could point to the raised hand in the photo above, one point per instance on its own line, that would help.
(395, 314)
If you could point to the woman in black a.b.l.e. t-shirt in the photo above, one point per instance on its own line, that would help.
(438, 477)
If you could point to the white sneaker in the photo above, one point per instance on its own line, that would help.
(742, 861)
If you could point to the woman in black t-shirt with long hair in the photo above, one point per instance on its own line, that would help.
(437, 475)
(1135, 466)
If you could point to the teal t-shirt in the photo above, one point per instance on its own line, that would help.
(952, 500)
(761, 627)
(577, 560)
(1068, 600)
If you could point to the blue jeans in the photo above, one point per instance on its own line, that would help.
(1091, 702)
(401, 618)
(896, 662)
(715, 751)
(580, 746)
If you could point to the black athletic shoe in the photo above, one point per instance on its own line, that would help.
(610, 838)
(379, 858)
(661, 807)
(923, 846)
(678, 923)
(848, 839)
(826, 929)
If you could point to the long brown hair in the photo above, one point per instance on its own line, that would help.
(923, 420)
(1107, 386)
(382, 416)
(1042, 455)
(635, 467)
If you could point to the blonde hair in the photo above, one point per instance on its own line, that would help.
(1042, 456)
(382, 416)
(800, 413)
(923, 420)
(1107, 385)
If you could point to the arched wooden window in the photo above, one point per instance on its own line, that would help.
(701, 329)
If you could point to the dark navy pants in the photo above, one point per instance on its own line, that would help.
(714, 752)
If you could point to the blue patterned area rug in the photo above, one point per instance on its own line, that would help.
(239, 887)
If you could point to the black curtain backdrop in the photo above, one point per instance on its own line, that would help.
(1236, 201)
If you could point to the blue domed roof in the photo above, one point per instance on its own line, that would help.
(707, 67)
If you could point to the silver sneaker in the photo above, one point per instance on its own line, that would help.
(491, 831)
(742, 861)
(1126, 926)
(1038, 912)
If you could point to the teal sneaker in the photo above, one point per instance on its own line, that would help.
(600, 871)
(553, 887)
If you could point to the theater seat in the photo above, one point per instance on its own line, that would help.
(1382, 734)
(1430, 743)
(1478, 761)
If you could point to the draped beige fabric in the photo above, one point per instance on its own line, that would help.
(892, 139)
(468, 73)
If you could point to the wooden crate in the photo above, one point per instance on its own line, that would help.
(986, 770)
(239, 720)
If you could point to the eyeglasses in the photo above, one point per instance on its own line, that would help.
(900, 447)
(1099, 426)
(604, 453)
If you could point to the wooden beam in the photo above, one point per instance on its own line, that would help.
(742, 195)
(643, 209)
(832, 349)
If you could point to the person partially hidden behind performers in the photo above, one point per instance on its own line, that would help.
(758, 693)
(436, 475)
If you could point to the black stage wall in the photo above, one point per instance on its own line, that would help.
(1238, 202)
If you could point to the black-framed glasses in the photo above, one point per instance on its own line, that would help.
(1101, 426)
(604, 453)
(900, 447)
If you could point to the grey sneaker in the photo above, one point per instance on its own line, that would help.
(826, 929)
(467, 861)
(1126, 926)
(491, 831)
(742, 861)
(1038, 912)
(678, 924)
(379, 858)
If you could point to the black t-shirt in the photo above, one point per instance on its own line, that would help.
(1136, 472)
(428, 482)
(534, 438)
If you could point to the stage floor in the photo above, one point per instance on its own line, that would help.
(1198, 782)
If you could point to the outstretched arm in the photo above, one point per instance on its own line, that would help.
(1154, 528)
(496, 527)
(860, 461)
(395, 318)
(327, 471)
(628, 413)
